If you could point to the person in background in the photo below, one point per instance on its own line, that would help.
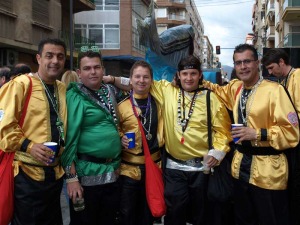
(189, 158)
(276, 61)
(270, 126)
(38, 181)
(69, 76)
(18, 69)
(4, 75)
(134, 209)
(93, 148)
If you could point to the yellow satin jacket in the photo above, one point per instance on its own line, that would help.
(36, 125)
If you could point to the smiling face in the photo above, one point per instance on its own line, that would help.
(141, 80)
(51, 62)
(91, 72)
(189, 79)
(246, 67)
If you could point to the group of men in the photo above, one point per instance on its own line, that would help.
(92, 156)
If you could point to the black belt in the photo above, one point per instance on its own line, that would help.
(191, 162)
(93, 159)
(257, 150)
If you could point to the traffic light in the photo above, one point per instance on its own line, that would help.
(218, 50)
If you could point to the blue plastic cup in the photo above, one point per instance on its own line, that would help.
(53, 147)
(131, 138)
(236, 125)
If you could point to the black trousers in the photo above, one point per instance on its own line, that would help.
(37, 202)
(186, 197)
(134, 208)
(101, 205)
(258, 206)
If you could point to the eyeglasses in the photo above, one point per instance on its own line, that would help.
(86, 48)
(245, 62)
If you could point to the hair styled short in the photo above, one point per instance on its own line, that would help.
(274, 55)
(53, 41)
(141, 63)
(244, 47)
(89, 54)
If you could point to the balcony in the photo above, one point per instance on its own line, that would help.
(292, 40)
(270, 10)
(171, 3)
(270, 33)
(78, 41)
(78, 5)
(291, 10)
(172, 19)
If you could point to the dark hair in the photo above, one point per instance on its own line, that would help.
(53, 41)
(244, 47)
(141, 63)
(89, 54)
(20, 68)
(5, 72)
(233, 74)
(186, 62)
(274, 55)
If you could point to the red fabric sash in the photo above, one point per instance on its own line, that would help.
(7, 173)
(154, 180)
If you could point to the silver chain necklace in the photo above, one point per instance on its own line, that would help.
(55, 103)
(244, 100)
(134, 104)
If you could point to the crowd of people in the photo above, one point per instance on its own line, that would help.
(87, 115)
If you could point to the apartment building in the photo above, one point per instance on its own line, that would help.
(113, 26)
(172, 13)
(25, 22)
(207, 57)
(276, 24)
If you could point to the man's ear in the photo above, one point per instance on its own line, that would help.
(78, 71)
(38, 58)
(178, 75)
(281, 61)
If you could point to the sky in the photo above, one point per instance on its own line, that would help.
(226, 23)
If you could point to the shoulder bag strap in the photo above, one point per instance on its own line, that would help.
(210, 145)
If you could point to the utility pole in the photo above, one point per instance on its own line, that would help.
(71, 35)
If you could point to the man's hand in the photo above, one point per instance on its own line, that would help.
(108, 79)
(244, 133)
(74, 190)
(125, 142)
(42, 153)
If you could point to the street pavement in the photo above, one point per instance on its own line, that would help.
(65, 209)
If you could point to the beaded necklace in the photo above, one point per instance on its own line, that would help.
(147, 106)
(183, 122)
(134, 104)
(244, 99)
(105, 101)
(55, 103)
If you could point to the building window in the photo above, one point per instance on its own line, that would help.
(40, 11)
(7, 5)
(106, 36)
(107, 4)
